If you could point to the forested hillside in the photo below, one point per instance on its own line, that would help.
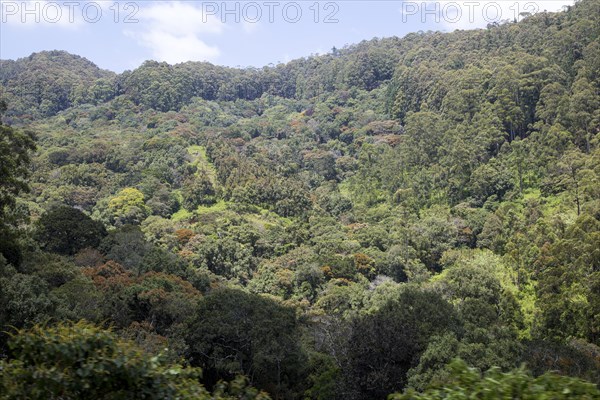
(342, 226)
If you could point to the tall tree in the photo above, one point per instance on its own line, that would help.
(15, 149)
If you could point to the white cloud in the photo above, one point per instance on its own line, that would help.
(249, 27)
(180, 18)
(174, 32)
(175, 49)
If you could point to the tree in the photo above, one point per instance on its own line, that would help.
(489, 318)
(468, 383)
(127, 246)
(489, 180)
(80, 361)
(165, 301)
(66, 230)
(384, 345)
(24, 301)
(569, 278)
(235, 332)
(15, 146)
(224, 256)
(128, 207)
(584, 109)
(571, 173)
(15, 149)
(198, 190)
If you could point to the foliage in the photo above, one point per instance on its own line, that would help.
(234, 332)
(15, 148)
(72, 361)
(385, 344)
(339, 226)
(128, 207)
(464, 382)
(66, 230)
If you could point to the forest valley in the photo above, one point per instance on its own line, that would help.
(413, 217)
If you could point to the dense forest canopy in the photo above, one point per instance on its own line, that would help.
(396, 216)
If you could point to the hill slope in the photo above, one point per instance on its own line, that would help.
(339, 226)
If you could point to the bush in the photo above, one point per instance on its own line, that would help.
(467, 383)
(81, 361)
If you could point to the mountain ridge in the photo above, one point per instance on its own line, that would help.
(365, 65)
(338, 227)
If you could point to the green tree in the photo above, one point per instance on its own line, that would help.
(15, 149)
(77, 361)
(235, 332)
(198, 190)
(128, 247)
(384, 345)
(489, 317)
(66, 230)
(128, 207)
(572, 173)
(24, 301)
(569, 278)
(464, 382)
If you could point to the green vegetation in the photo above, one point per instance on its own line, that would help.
(343, 226)
(81, 361)
(467, 383)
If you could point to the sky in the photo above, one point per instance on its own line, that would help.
(120, 35)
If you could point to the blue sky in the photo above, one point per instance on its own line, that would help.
(120, 35)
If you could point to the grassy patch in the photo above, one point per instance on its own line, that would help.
(181, 215)
(200, 160)
(219, 206)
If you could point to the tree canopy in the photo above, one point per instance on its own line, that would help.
(341, 226)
